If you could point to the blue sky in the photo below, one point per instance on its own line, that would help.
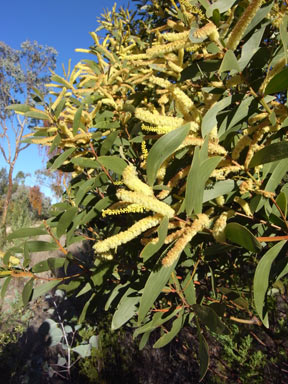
(62, 24)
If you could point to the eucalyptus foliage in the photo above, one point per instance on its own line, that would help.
(175, 135)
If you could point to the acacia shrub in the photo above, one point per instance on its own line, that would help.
(175, 136)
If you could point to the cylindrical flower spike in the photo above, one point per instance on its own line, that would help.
(242, 24)
(198, 225)
(148, 202)
(126, 236)
(132, 181)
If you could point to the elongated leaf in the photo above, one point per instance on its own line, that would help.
(270, 153)
(209, 120)
(26, 232)
(189, 289)
(229, 63)
(163, 148)
(5, 286)
(221, 5)
(284, 35)
(203, 356)
(22, 108)
(126, 309)
(60, 159)
(84, 188)
(85, 308)
(77, 119)
(220, 188)
(199, 173)
(114, 163)
(242, 236)
(42, 289)
(157, 320)
(153, 287)
(83, 162)
(260, 15)
(108, 142)
(27, 291)
(150, 249)
(39, 115)
(274, 180)
(41, 246)
(210, 318)
(65, 220)
(278, 83)
(250, 48)
(177, 325)
(261, 280)
(84, 350)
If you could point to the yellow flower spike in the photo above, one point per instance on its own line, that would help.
(221, 173)
(132, 208)
(174, 36)
(151, 118)
(185, 103)
(218, 230)
(148, 202)
(157, 50)
(244, 205)
(131, 180)
(242, 24)
(144, 150)
(245, 141)
(59, 98)
(209, 30)
(220, 200)
(198, 225)
(124, 237)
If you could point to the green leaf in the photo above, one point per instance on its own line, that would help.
(250, 48)
(210, 318)
(41, 246)
(261, 280)
(5, 286)
(60, 159)
(270, 153)
(221, 5)
(219, 188)
(126, 308)
(158, 319)
(42, 289)
(85, 308)
(278, 83)
(26, 232)
(281, 201)
(114, 163)
(177, 325)
(260, 15)
(84, 188)
(150, 249)
(198, 175)
(203, 356)
(163, 148)
(22, 108)
(229, 63)
(84, 350)
(50, 263)
(65, 220)
(189, 289)
(153, 287)
(209, 120)
(39, 115)
(284, 35)
(77, 119)
(83, 162)
(27, 291)
(108, 142)
(240, 235)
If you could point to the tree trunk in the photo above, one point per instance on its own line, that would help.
(7, 200)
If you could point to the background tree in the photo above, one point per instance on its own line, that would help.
(23, 73)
